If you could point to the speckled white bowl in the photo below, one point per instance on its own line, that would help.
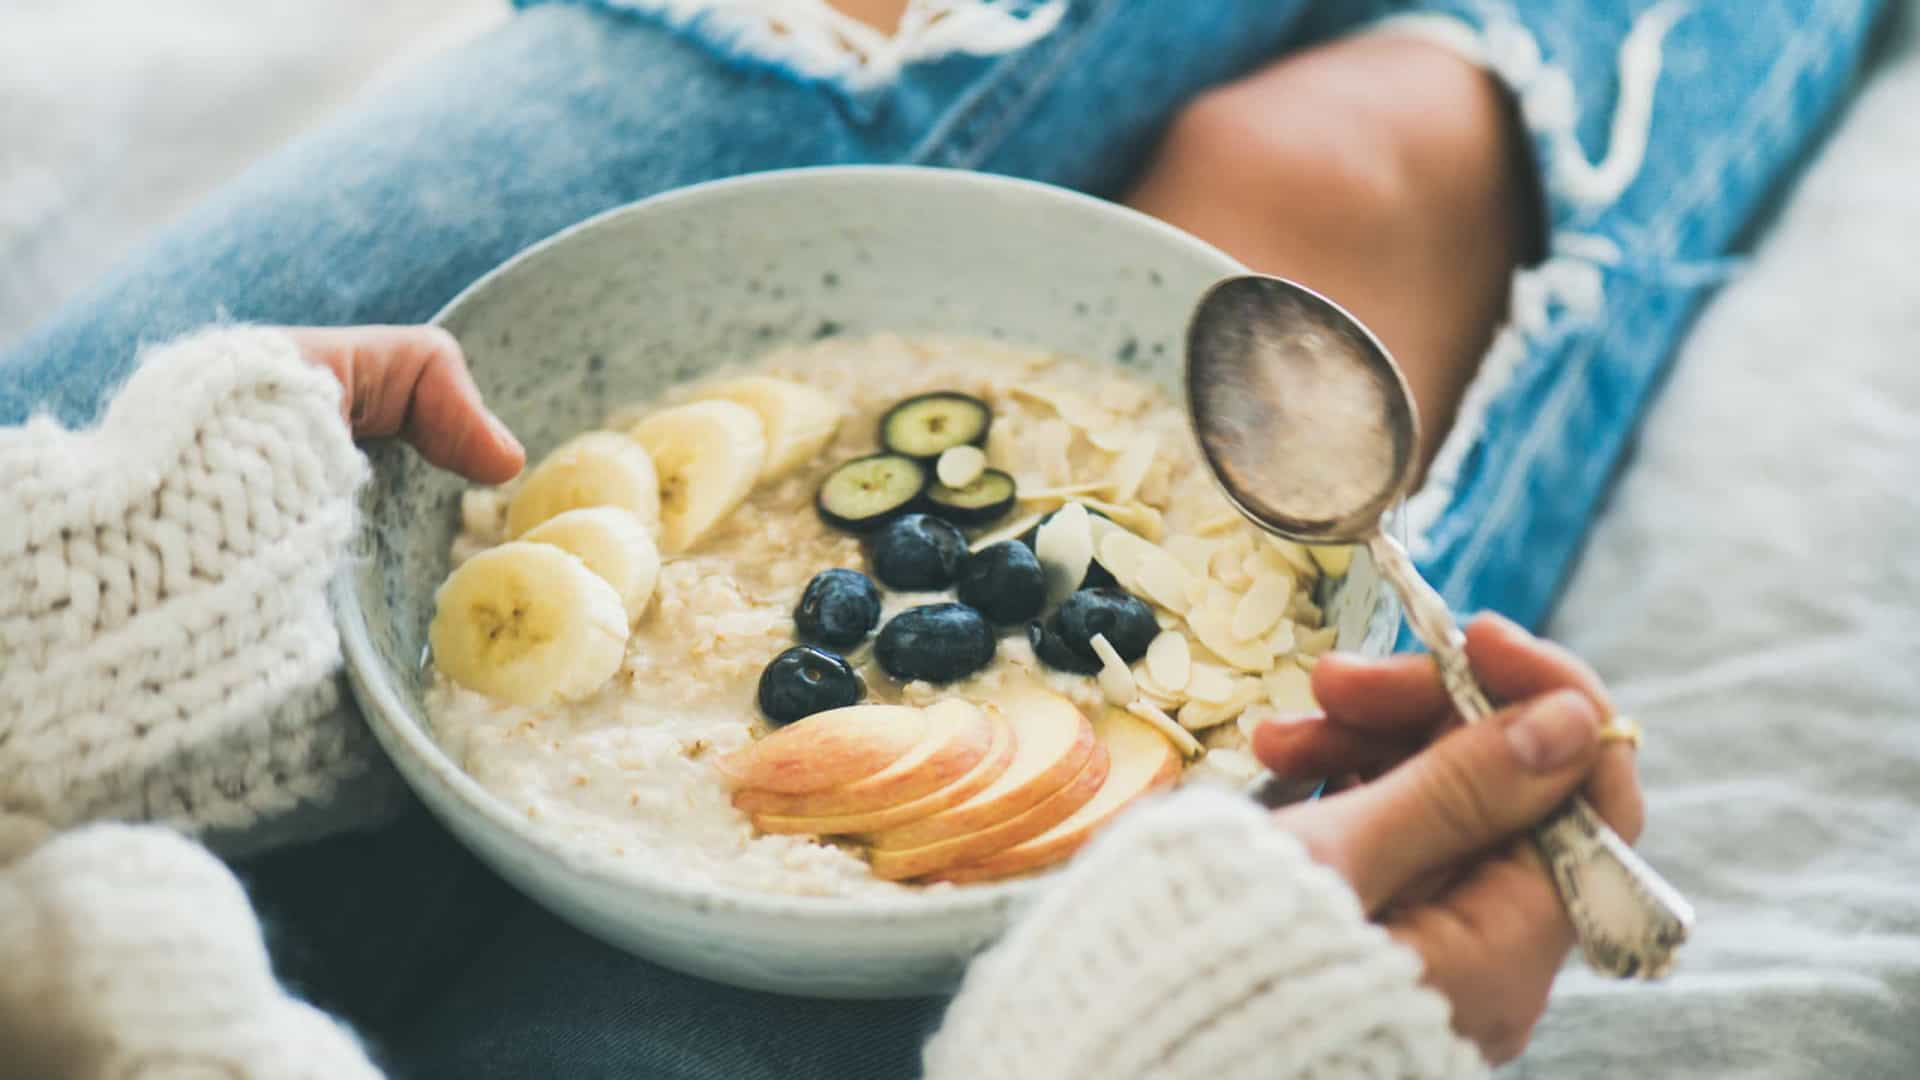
(617, 308)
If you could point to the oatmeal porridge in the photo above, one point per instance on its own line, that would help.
(867, 614)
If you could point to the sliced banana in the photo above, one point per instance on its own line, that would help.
(798, 420)
(600, 468)
(528, 624)
(613, 544)
(709, 455)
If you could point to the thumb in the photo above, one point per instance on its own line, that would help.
(1467, 793)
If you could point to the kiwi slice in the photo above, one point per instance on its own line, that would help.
(926, 426)
(868, 492)
(987, 498)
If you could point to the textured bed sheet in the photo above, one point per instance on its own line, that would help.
(1753, 593)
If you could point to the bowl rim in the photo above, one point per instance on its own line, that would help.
(385, 714)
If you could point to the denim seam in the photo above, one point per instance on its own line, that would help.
(977, 126)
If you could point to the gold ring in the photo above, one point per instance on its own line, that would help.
(1623, 729)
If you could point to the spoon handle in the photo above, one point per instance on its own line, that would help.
(1630, 920)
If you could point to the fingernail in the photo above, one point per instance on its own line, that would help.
(1553, 730)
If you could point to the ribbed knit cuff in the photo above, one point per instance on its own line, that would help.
(1195, 940)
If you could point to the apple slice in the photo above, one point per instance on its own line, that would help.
(827, 750)
(958, 735)
(1034, 821)
(1143, 761)
(999, 756)
(1051, 742)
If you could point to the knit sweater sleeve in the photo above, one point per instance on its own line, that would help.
(1195, 941)
(166, 652)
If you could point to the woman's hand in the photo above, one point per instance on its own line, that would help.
(412, 381)
(1432, 835)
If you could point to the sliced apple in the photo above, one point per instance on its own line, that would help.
(827, 750)
(999, 756)
(1051, 742)
(1034, 821)
(958, 735)
(1142, 761)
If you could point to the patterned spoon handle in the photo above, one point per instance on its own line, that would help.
(1630, 920)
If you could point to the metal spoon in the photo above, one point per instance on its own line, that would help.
(1308, 426)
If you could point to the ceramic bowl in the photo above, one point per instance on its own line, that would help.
(619, 307)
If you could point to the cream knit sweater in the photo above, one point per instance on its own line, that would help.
(166, 656)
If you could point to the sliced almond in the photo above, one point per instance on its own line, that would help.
(1048, 445)
(1142, 521)
(1290, 689)
(1151, 690)
(1006, 532)
(1170, 660)
(1209, 684)
(1295, 555)
(1180, 737)
(1064, 546)
(1192, 551)
(1163, 579)
(1116, 679)
(1039, 491)
(1316, 641)
(1218, 524)
(1068, 405)
(1112, 440)
(1281, 639)
(1214, 628)
(1228, 567)
(1119, 552)
(1123, 480)
(1264, 605)
(1157, 488)
(1233, 768)
(1199, 715)
(960, 465)
(1306, 661)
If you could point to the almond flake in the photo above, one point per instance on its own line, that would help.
(1209, 683)
(1180, 737)
(1197, 588)
(1119, 552)
(1214, 628)
(1123, 482)
(1069, 406)
(1112, 440)
(960, 465)
(1151, 690)
(1235, 768)
(1143, 521)
(1192, 551)
(1116, 679)
(1316, 641)
(1226, 567)
(1163, 579)
(1064, 546)
(1199, 715)
(1282, 638)
(1264, 605)
(1048, 444)
(1290, 689)
(1303, 610)
(1007, 532)
(1169, 660)
(1295, 555)
(1039, 491)
(1218, 524)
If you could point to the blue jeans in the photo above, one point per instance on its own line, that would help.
(568, 110)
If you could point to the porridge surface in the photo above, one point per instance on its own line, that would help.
(629, 770)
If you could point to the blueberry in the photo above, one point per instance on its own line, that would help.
(838, 608)
(918, 552)
(805, 680)
(1127, 622)
(1053, 651)
(935, 642)
(1098, 576)
(1004, 582)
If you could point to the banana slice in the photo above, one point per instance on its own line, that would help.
(600, 468)
(613, 544)
(798, 420)
(709, 455)
(528, 624)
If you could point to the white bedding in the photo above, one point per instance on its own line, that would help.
(1753, 593)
